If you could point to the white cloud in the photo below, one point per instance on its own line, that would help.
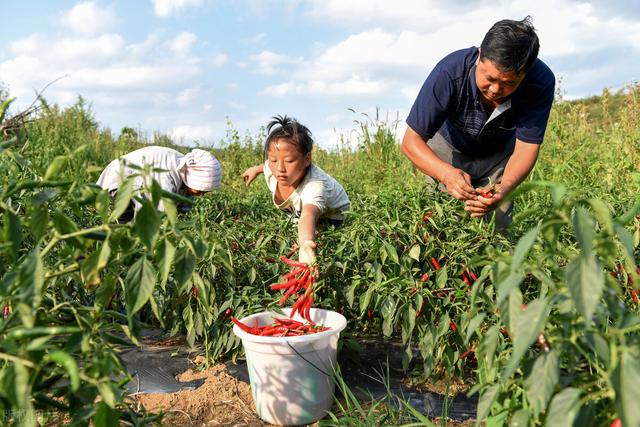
(89, 18)
(198, 133)
(355, 85)
(268, 63)
(217, 60)
(164, 8)
(257, 39)
(393, 45)
(187, 96)
(102, 48)
(182, 44)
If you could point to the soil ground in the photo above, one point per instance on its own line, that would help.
(224, 399)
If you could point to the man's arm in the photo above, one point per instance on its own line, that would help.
(457, 181)
(518, 167)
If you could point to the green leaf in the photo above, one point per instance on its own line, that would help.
(626, 378)
(105, 416)
(39, 223)
(65, 360)
(512, 281)
(139, 285)
(365, 299)
(185, 264)
(105, 292)
(529, 325)
(564, 408)
(599, 346)
(388, 311)
(602, 212)
(147, 223)
(409, 320)
(350, 294)
(520, 418)
(104, 387)
(12, 232)
(123, 198)
(586, 282)
(170, 210)
(166, 253)
(55, 166)
(414, 252)
(523, 247)
(426, 343)
(31, 278)
(472, 326)
(584, 227)
(102, 205)
(391, 251)
(15, 385)
(541, 382)
(486, 402)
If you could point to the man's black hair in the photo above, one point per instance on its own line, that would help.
(511, 45)
(290, 129)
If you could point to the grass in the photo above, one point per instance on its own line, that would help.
(374, 262)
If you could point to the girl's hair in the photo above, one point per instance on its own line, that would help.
(287, 128)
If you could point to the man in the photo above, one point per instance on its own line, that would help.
(480, 117)
(192, 174)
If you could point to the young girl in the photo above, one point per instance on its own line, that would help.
(298, 186)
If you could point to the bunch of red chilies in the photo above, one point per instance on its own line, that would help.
(301, 277)
(281, 328)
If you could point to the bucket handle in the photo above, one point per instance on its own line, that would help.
(306, 360)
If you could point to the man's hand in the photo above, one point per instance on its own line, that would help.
(483, 204)
(250, 174)
(458, 184)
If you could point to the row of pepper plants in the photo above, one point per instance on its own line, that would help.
(547, 324)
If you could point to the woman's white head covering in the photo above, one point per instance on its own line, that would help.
(201, 170)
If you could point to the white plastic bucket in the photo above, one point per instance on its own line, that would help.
(292, 377)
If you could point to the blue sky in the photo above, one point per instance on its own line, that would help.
(183, 67)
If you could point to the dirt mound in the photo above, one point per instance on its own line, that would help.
(222, 400)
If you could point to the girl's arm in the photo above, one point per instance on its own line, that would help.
(306, 233)
(250, 174)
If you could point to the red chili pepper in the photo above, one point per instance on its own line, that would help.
(616, 423)
(435, 264)
(241, 325)
(293, 263)
(453, 326)
(473, 276)
(427, 216)
(466, 280)
(195, 292)
(467, 353)
(369, 314)
(227, 312)
(6, 310)
(486, 194)
(424, 278)
(634, 295)
(523, 306)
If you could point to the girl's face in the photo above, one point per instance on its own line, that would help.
(287, 163)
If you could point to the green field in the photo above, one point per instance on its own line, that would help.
(75, 282)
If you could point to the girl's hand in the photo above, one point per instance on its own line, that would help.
(250, 174)
(307, 252)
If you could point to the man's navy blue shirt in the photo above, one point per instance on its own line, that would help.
(450, 103)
